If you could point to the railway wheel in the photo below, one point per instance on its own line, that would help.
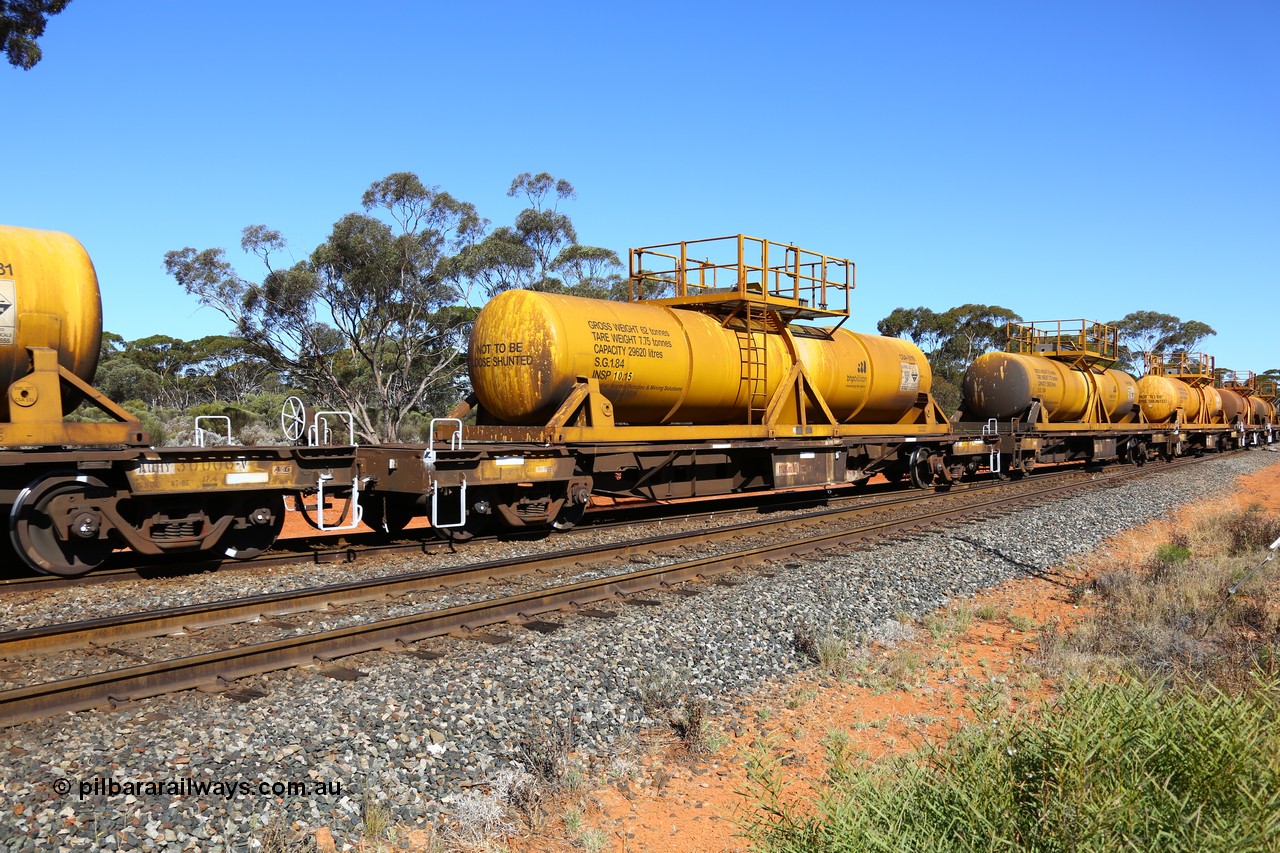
(254, 530)
(475, 525)
(55, 528)
(479, 516)
(388, 513)
(920, 467)
(569, 516)
(575, 505)
(1127, 452)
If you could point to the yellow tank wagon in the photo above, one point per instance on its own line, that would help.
(74, 492)
(729, 370)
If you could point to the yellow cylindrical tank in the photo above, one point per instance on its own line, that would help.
(48, 298)
(1161, 396)
(865, 378)
(1263, 411)
(1210, 404)
(661, 365)
(1003, 385)
(1233, 405)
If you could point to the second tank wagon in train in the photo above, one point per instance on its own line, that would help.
(663, 365)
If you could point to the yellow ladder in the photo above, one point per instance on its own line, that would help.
(754, 363)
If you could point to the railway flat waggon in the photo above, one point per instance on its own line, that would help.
(74, 491)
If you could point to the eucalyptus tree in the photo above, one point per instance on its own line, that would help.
(369, 321)
(540, 251)
(953, 338)
(1143, 332)
(923, 326)
(21, 23)
(974, 329)
(224, 368)
(950, 340)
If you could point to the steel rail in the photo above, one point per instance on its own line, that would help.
(193, 617)
(623, 515)
(423, 540)
(215, 670)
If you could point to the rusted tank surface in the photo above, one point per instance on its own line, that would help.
(1234, 405)
(1161, 396)
(1003, 385)
(1210, 404)
(48, 298)
(1263, 411)
(663, 365)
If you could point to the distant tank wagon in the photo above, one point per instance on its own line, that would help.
(1004, 385)
(1256, 403)
(1058, 390)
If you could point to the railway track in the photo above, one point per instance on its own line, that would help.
(366, 545)
(216, 670)
(348, 549)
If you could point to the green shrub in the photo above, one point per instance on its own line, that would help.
(1171, 552)
(1128, 766)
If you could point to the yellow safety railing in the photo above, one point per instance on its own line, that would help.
(1180, 364)
(1071, 340)
(1239, 380)
(739, 267)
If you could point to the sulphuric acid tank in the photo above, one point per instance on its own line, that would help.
(1003, 385)
(48, 298)
(1161, 396)
(1263, 411)
(1210, 404)
(1234, 405)
(662, 365)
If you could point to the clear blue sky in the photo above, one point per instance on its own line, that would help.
(1063, 159)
